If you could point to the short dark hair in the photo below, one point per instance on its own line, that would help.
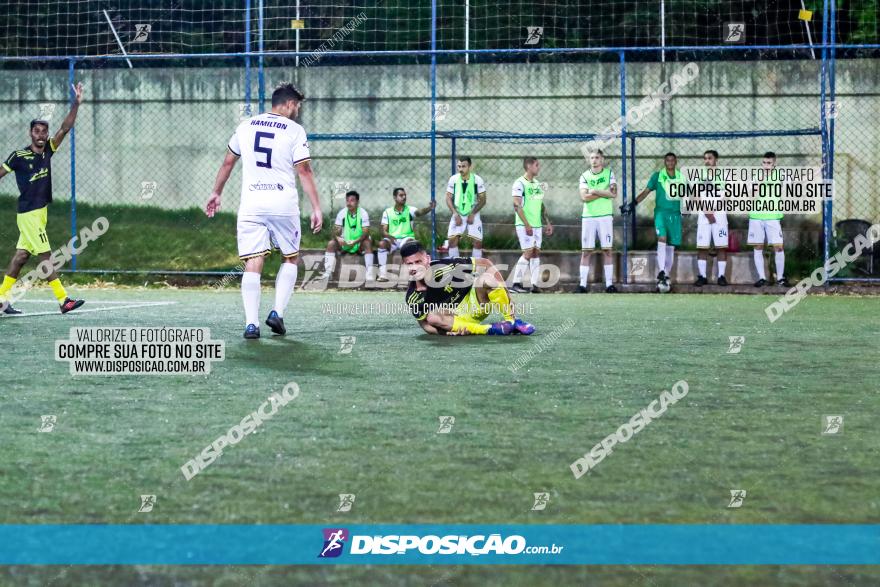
(37, 121)
(528, 161)
(411, 247)
(395, 190)
(670, 154)
(769, 155)
(712, 152)
(356, 195)
(465, 160)
(599, 151)
(286, 92)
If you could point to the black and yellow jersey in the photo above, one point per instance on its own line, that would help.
(33, 173)
(448, 281)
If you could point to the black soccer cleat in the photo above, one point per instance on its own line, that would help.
(783, 282)
(761, 283)
(276, 323)
(722, 281)
(581, 289)
(535, 289)
(661, 276)
(701, 281)
(611, 289)
(252, 331)
(8, 310)
(70, 305)
(518, 288)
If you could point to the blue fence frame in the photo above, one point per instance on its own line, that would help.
(825, 129)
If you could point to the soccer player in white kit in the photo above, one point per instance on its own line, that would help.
(711, 228)
(271, 146)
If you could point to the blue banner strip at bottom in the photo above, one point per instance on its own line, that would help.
(813, 544)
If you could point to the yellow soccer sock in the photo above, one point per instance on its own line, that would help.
(7, 284)
(469, 325)
(58, 290)
(499, 297)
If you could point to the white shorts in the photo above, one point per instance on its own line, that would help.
(602, 227)
(716, 232)
(759, 229)
(529, 242)
(258, 235)
(475, 230)
(397, 243)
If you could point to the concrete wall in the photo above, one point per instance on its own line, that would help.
(170, 126)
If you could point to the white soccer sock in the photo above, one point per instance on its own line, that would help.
(534, 263)
(520, 269)
(661, 256)
(368, 262)
(329, 263)
(670, 258)
(453, 251)
(722, 267)
(284, 284)
(585, 274)
(477, 253)
(609, 274)
(759, 263)
(780, 264)
(383, 259)
(701, 267)
(250, 296)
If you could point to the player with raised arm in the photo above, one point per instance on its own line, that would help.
(530, 220)
(598, 188)
(32, 167)
(351, 235)
(274, 150)
(397, 227)
(465, 197)
(453, 296)
(667, 215)
(711, 228)
(767, 225)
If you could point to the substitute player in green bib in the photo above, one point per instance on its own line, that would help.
(667, 215)
(33, 173)
(598, 188)
(767, 225)
(351, 236)
(530, 220)
(465, 197)
(397, 228)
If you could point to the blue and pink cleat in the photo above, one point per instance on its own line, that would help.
(502, 328)
(522, 327)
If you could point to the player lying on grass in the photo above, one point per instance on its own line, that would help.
(274, 150)
(33, 174)
(351, 236)
(453, 296)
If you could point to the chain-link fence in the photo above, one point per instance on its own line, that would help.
(380, 115)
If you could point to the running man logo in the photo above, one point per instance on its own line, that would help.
(736, 344)
(346, 343)
(639, 264)
(832, 109)
(142, 33)
(832, 425)
(148, 188)
(47, 423)
(446, 423)
(334, 541)
(734, 32)
(346, 500)
(541, 501)
(46, 111)
(440, 111)
(147, 503)
(534, 34)
(245, 110)
(737, 497)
